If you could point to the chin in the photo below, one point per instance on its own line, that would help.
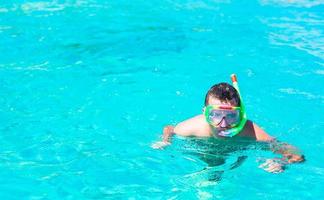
(221, 129)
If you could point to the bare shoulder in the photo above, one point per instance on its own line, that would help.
(261, 135)
(252, 130)
(195, 126)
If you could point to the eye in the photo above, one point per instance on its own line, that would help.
(232, 115)
(215, 114)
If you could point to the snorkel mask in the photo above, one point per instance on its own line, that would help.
(235, 116)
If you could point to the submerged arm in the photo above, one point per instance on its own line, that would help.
(290, 154)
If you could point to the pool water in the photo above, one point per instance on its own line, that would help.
(87, 86)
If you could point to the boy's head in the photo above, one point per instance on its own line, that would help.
(223, 92)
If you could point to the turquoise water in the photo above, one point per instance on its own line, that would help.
(87, 86)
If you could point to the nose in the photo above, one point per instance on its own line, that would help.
(223, 123)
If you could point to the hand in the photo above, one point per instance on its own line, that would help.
(272, 166)
(167, 132)
(160, 145)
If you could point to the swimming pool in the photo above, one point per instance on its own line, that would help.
(87, 85)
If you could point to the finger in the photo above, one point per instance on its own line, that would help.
(277, 172)
(275, 169)
(156, 145)
(265, 164)
(160, 145)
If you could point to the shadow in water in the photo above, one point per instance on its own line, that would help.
(219, 155)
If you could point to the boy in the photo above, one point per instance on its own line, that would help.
(223, 116)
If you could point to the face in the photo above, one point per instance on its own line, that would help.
(222, 115)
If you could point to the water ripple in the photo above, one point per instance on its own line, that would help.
(298, 36)
(294, 3)
(308, 95)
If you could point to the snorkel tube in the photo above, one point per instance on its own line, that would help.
(236, 130)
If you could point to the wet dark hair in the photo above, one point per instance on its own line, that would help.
(224, 92)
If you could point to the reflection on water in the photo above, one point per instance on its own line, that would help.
(302, 30)
(294, 3)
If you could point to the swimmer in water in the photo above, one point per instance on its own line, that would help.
(224, 117)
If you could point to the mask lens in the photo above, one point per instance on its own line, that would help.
(232, 117)
(215, 116)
